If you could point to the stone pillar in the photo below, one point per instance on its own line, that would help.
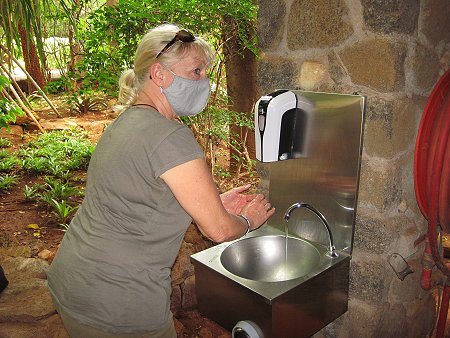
(393, 52)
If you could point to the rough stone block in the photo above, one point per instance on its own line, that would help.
(271, 19)
(435, 21)
(408, 290)
(336, 69)
(26, 302)
(391, 16)
(182, 267)
(359, 321)
(367, 279)
(371, 234)
(311, 73)
(376, 63)
(194, 237)
(405, 231)
(317, 24)
(392, 328)
(420, 321)
(15, 251)
(276, 73)
(51, 327)
(425, 69)
(189, 300)
(175, 299)
(380, 184)
(390, 126)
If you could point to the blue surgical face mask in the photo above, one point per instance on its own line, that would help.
(187, 97)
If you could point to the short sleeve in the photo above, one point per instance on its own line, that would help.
(177, 148)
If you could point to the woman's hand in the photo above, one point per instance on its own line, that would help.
(234, 200)
(258, 211)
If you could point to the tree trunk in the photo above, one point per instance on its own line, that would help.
(241, 70)
(74, 45)
(31, 58)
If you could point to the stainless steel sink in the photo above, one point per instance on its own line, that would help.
(248, 279)
(270, 258)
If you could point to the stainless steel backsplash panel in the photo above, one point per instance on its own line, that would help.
(328, 176)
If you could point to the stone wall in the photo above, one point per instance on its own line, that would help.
(393, 52)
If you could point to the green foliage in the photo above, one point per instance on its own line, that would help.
(4, 154)
(8, 164)
(8, 110)
(7, 181)
(57, 86)
(110, 35)
(87, 103)
(56, 189)
(56, 195)
(212, 128)
(26, 13)
(63, 211)
(30, 193)
(4, 143)
(57, 152)
(57, 52)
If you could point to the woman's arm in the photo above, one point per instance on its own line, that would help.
(194, 188)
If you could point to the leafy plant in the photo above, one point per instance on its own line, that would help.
(35, 165)
(57, 153)
(211, 129)
(85, 104)
(30, 193)
(8, 164)
(4, 154)
(63, 211)
(56, 189)
(4, 143)
(7, 181)
(8, 110)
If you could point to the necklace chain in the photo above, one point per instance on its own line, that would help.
(144, 104)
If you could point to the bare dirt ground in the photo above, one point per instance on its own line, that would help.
(19, 217)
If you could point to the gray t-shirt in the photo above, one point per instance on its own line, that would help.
(112, 270)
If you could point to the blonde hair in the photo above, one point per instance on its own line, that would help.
(132, 81)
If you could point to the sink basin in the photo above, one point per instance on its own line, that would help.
(270, 258)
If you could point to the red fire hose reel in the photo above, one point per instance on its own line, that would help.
(432, 181)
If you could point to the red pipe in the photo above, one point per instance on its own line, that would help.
(441, 142)
(432, 184)
(424, 152)
(444, 195)
(440, 327)
(427, 267)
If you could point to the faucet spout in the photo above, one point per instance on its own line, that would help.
(294, 206)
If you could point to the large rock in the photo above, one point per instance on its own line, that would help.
(26, 309)
(26, 299)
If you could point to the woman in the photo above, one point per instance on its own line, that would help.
(147, 180)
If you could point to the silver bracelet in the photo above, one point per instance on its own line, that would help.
(248, 225)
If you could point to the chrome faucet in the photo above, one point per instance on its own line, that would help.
(287, 216)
